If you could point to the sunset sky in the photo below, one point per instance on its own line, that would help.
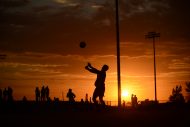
(41, 40)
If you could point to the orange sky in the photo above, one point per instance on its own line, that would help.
(41, 41)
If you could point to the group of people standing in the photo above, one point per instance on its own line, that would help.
(6, 95)
(134, 100)
(43, 94)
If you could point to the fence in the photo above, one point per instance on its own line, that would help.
(128, 103)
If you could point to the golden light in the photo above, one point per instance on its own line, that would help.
(125, 93)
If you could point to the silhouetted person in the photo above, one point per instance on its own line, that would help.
(56, 99)
(135, 100)
(37, 92)
(47, 93)
(24, 99)
(99, 83)
(132, 100)
(5, 95)
(82, 101)
(71, 96)
(1, 95)
(43, 93)
(124, 104)
(10, 94)
(86, 98)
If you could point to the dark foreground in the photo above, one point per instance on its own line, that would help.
(60, 115)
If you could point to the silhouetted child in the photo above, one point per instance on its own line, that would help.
(82, 101)
(99, 83)
(71, 96)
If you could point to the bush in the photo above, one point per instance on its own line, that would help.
(177, 96)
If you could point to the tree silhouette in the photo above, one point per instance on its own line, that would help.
(177, 96)
(188, 90)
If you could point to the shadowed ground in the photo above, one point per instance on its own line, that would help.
(80, 115)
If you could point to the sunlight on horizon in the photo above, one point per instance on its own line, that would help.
(125, 94)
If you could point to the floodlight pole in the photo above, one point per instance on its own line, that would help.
(118, 52)
(153, 35)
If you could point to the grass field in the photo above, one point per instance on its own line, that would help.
(80, 115)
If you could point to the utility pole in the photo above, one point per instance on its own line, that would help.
(153, 35)
(118, 52)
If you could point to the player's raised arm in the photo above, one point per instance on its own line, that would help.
(90, 68)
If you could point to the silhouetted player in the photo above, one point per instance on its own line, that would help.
(99, 83)
(71, 96)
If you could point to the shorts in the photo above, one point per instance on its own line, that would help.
(99, 92)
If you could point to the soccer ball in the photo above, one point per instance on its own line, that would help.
(82, 44)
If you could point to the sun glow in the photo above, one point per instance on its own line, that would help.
(125, 93)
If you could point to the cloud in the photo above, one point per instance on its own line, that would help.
(38, 68)
(180, 64)
(174, 74)
(74, 8)
(62, 1)
(87, 9)
(43, 66)
(13, 3)
(132, 7)
(23, 71)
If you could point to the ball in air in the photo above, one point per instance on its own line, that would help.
(82, 44)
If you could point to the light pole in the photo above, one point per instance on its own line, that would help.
(154, 35)
(118, 52)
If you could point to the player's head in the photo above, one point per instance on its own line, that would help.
(105, 68)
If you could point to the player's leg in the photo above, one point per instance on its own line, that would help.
(95, 95)
(101, 100)
(101, 95)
